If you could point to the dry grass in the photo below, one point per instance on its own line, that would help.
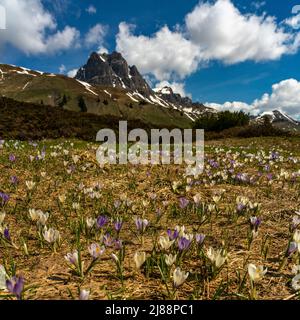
(46, 273)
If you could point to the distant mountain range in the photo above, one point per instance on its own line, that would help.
(279, 119)
(106, 85)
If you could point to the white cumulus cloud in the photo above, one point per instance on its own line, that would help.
(72, 73)
(215, 31)
(33, 30)
(293, 21)
(164, 54)
(176, 87)
(233, 106)
(224, 33)
(285, 97)
(62, 69)
(91, 9)
(95, 36)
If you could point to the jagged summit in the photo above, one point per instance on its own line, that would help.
(113, 70)
(168, 94)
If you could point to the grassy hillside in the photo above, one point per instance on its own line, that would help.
(58, 90)
(21, 120)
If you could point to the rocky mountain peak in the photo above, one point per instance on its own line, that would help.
(168, 94)
(113, 70)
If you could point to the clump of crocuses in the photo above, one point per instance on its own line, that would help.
(15, 286)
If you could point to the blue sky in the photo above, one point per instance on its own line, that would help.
(214, 75)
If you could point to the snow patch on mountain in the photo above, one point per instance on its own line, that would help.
(87, 87)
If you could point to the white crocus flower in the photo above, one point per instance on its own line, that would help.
(197, 198)
(211, 207)
(51, 235)
(296, 269)
(2, 217)
(256, 273)
(242, 200)
(73, 258)
(95, 250)
(179, 277)
(175, 185)
(216, 199)
(30, 185)
(38, 216)
(296, 238)
(43, 218)
(75, 159)
(75, 205)
(296, 282)
(34, 214)
(3, 277)
(90, 222)
(170, 259)
(139, 259)
(84, 294)
(180, 230)
(217, 257)
(165, 242)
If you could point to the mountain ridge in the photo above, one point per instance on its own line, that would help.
(109, 86)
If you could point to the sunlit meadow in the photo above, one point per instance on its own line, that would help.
(70, 229)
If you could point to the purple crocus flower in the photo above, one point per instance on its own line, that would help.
(213, 164)
(240, 207)
(274, 155)
(183, 243)
(12, 158)
(255, 223)
(141, 224)
(108, 240)
(200, 238)
(15, 286)
(172, 235)
(4, 197)
(183, 203)
(293, 247)
(118, 244)
(295, 223)
(6, 234)
(34, 144)
(72, 168)
(43, 153)
(102, 221)
(118, 225)
(14, 180)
